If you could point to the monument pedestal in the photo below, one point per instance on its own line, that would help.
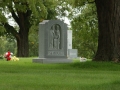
(52, 60)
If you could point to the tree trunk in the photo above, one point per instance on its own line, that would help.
(22, 45)
(21, 14)
(22, 39)
(109, 30)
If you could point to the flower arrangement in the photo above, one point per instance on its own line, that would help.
(82, 59)
(8, 55)
(14, 58)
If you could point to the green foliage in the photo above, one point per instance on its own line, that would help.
(85, 31)
(33, 41)
(84, 25)
(2, 20)
(77, 3)
(7, 44)
(2, 30)
(26, 14)
(2, 45)
(50, 5)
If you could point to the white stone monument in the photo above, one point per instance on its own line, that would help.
(69, 38)
(72, 53)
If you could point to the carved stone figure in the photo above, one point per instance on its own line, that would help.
(55, 37)
(51, 37)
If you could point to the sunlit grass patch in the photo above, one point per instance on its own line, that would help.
(25, 75)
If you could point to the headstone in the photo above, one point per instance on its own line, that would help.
(52, 42)
(69, 33)
(72, 53)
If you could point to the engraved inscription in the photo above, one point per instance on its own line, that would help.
(55, 53)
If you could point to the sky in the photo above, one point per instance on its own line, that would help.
(12, 23)
(66, 20)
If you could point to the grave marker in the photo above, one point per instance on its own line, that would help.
(52, 42)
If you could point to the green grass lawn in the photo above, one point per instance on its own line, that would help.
(25, 75)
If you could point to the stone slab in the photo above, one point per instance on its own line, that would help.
(69, 39)
(72, 53)
(52, 60)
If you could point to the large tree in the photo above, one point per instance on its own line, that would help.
(25, 13)
(109, 30)
(108, 13)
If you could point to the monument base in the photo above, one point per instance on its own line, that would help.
(52, 60)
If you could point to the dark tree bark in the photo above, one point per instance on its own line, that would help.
(22, 44)
(109, 30)
(22, 19)
(22, 36)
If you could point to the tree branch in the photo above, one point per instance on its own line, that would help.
(11, 29)
(13, 13)
(15, 17)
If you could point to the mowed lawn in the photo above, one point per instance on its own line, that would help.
(25, 75)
